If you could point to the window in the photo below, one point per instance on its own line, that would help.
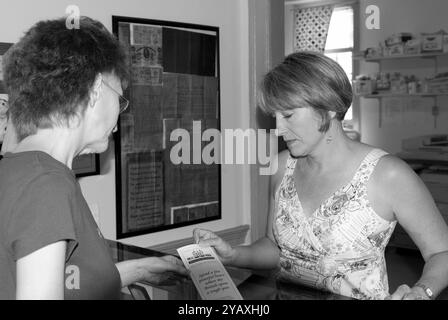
(341, 43)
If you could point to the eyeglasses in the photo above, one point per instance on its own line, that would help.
(124, 103)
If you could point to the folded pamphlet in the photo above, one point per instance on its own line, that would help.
(208, 273)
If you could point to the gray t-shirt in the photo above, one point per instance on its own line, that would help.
(41, 203)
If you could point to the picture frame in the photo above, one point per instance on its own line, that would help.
(83, 166)
(4, 46)
(174, 85)
(86, 165)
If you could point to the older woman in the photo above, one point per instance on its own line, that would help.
(334, 201)
(65, 96)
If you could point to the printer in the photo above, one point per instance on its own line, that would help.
(428, 156)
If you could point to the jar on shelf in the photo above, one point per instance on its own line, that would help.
(382, 81)
(398, 84)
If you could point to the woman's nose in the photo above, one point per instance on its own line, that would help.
(281, 131)
(279, 124)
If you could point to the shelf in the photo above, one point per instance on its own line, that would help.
(381, 96)
(404, 56)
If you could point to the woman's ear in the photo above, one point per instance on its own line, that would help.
(94, 94)
(75, 120)
(332, 114)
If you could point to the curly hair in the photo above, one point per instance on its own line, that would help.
(307, 79)
(51, 70)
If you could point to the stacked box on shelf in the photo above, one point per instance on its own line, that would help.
(362, 87)
(438, 85)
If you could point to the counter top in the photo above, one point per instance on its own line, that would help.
(404, 266)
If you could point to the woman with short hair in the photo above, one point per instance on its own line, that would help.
(335, 201)
(65, 95)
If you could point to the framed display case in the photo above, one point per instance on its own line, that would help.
(4, 46)
(162, 180)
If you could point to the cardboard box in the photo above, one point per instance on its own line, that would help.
(398, 86)
(362, 87)
(397, 49)
(432, 42)
(398, 38)
(445, 43)
(413, 47)
(373, 53)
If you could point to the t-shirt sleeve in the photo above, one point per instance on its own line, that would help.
(44, 214)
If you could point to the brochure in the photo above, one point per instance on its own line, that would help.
(208, 273)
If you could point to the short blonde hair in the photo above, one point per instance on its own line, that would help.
(307, 79)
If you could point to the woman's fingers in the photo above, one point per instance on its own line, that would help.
(174, 264)
(197, 234)
(400, 292)
(202, 234)
(412, 296)
(172, 259)
(214, 242)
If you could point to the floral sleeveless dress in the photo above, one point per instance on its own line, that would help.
(340, 248)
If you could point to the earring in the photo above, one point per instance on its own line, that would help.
(329, 139)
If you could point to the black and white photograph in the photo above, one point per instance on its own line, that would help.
(224, 152)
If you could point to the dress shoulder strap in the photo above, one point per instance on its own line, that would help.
(375, 155)
(290, 166)
(370, 162)
(289, 171)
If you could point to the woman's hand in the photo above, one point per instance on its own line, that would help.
(207, 238)
(164, 270)
(404, 292)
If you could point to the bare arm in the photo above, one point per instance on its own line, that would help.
(129, 271)
(155, 270)
(262, 254)
(417, 212)
(40, 275)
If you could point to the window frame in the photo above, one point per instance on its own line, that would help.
(354, 123)
(292, 5)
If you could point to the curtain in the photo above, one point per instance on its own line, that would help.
(311, 28)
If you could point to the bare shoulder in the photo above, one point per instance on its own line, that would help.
(400, 194)
(393, 179)
(392, 183)
(391, 168)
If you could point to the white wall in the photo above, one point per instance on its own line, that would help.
(402, 118)
(232, 18)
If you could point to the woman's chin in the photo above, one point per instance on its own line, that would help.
(296, 152)
(96, 148)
